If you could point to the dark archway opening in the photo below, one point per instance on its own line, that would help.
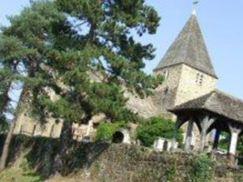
(118, 137)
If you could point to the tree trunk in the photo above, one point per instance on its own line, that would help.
(66, 142)
(7, 142)
(5, 100)
(9, 136)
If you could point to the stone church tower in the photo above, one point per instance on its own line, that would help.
(186, 67)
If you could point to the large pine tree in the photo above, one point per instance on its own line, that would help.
(65, 44)
(24, 42)
(97, 38)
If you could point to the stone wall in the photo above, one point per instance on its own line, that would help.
(30, 127)
(82, 131)
(172, 77)
(189, 89)
(104, 162)
(53, 128)
(145, 108)
(181, 79)
(180, 85)
(165, 94)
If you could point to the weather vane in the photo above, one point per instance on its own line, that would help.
(195, 3)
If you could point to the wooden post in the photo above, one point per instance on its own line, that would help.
(233, 143)
(234, 131)
(178, 123)
(188, 140)
(205, 123)
(216, 140)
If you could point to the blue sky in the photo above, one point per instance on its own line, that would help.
(221, 23)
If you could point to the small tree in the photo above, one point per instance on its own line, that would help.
(149, 130)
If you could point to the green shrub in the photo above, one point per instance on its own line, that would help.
(148, 131)
(22, 173)
(106, 130)
(224, 140)
(202, 169)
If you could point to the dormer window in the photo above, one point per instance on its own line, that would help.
(199, 79)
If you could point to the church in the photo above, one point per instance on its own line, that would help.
(190, 92)
(188, 96)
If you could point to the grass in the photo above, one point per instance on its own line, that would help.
(20, 172)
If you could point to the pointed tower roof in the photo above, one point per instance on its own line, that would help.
(189, 48)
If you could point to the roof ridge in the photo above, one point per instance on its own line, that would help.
(212, 96)
(229, 95)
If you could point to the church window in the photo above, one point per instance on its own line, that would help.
(199, 79)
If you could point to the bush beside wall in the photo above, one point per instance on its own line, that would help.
(148, 131)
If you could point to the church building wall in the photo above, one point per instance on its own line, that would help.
(193, 84)
(186, 82)
(165, 94)
(31, 127)
(171, 74)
